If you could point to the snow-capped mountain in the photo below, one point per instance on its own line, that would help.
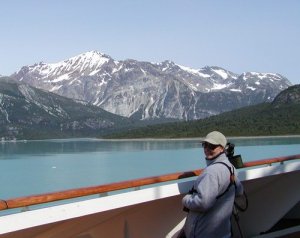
(147, 90)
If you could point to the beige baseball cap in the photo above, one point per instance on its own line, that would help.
(216, 138)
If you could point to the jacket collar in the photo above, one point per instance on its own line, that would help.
(218, 158)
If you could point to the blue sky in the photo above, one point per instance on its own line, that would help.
(240, 36)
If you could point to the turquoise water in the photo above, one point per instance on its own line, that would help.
(34, 167)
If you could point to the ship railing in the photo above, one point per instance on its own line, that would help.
(102, 190)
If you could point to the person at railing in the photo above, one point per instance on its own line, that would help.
(210, 201)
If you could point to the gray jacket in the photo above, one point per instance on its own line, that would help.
(209, 216)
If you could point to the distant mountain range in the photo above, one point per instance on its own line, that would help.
(92, 95)
(146, 91)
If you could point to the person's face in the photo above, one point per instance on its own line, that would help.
(211, 150)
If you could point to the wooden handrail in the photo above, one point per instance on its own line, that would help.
(271, 161)
(86, 191)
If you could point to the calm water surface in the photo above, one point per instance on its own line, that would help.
(33, 167)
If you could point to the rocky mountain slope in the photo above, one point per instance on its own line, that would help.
(280, 117)
(30, 113)
(145, 90)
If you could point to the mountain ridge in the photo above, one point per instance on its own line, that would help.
(30, 113)
(147, 90)
(288, 96)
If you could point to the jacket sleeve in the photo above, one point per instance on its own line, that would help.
(207, 191)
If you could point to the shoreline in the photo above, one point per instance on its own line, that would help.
(148, 138)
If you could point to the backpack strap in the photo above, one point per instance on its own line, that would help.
(236, 207)
(231, 178)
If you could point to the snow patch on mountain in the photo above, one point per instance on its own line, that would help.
(203, 74)
(221, 72)
(217, 86)
(235, 90)
(188, 69)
